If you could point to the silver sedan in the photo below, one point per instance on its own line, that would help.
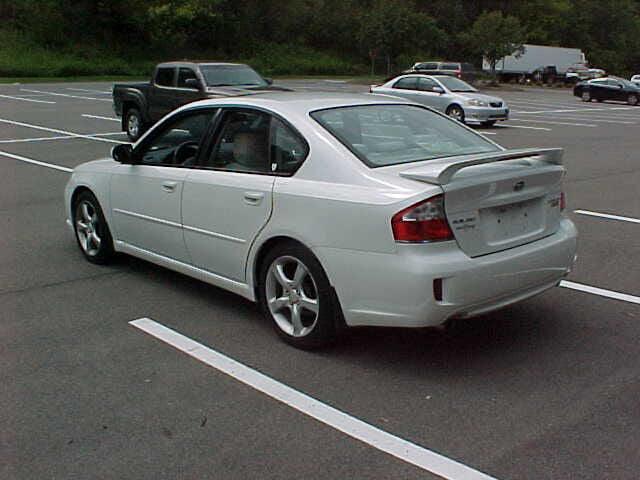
(449, 95)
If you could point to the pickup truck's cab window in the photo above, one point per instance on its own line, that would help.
(164, 76)
(178, 143)
(185, 74)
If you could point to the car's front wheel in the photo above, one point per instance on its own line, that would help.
(456, 112)
(632, 99)
(92, 231)
(295, 294)
(586, 96)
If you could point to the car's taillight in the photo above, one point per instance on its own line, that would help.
(423, 222)
(563, 202)
(459, 73)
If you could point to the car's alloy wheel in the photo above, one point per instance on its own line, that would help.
(632, 100)
(456, 113)
(91, 229)
(292, 296)
(586, 96)
(296, 296)
(133, 124)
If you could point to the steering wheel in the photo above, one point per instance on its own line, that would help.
(184, 152)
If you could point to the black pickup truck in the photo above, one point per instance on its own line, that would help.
(140, 105)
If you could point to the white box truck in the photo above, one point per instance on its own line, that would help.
(536, 57)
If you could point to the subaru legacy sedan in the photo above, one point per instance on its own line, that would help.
(449, 95)
(331, 210)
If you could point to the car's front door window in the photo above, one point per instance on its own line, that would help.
(178, 143)
(426, 85)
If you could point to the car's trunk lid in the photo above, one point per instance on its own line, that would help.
(499, 200)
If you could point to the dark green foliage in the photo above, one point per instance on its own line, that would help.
(91, 37)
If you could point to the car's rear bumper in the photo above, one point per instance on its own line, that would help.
(398, 289)
(485, 114)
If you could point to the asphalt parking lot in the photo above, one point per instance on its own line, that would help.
(544, 389)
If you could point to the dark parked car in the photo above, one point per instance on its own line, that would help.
(464, 71)
(176, 83)
(608, 89)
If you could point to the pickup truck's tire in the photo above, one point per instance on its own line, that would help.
(133, 124)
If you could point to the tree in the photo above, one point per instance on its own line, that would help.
(495, 36)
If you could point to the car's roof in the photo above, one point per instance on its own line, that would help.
(300, 102)
(178, 63)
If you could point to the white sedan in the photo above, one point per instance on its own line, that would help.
(331, 210)
(636, 80)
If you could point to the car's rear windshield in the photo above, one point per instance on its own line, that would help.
(231, 75)
(392, 134)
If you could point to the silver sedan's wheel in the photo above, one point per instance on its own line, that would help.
(87, 223)
(586, 96)
(292, 296)
(456, 112)
(92, 231)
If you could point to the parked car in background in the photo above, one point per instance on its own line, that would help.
(175, 83)
(610, 88)
(464, 71)
(578, 73)
(635, 80)
(442, 222)
(522, 65)
(449, 95)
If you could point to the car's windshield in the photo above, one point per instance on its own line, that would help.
(231, 75)
(387, 134)
(454, 84)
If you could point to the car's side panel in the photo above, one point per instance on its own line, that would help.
(146, 208)
(222, 214)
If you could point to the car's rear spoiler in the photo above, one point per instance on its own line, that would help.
(440, 172)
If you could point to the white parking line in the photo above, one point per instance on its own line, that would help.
(61, 137)
(26, 99)
(36, 162)
(508, 125)
(577, 110)
(66, 95)
(355, 428)
(552, 122)
(607, 216)
(101, 92)
(55, 130)
(561, 116)
(625, 297)
(112, 119)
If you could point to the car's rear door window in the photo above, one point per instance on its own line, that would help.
(391, 134)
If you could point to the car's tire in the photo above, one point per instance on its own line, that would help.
(133, 124)
(632, 99)
(586, 96)
(295, 295)
(456, 112)
(489, 123)
(91, 229)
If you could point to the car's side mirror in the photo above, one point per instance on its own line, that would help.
(123, 153)
(269, 81)
(439, 90)
(192, 83)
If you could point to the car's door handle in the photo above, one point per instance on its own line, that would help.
(169, 187)
(253, 198)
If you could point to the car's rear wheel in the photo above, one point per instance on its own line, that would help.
(92, 231)
(456, 112)
(586, 96)
(632, 99)
(295, 294)
(133, 124)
